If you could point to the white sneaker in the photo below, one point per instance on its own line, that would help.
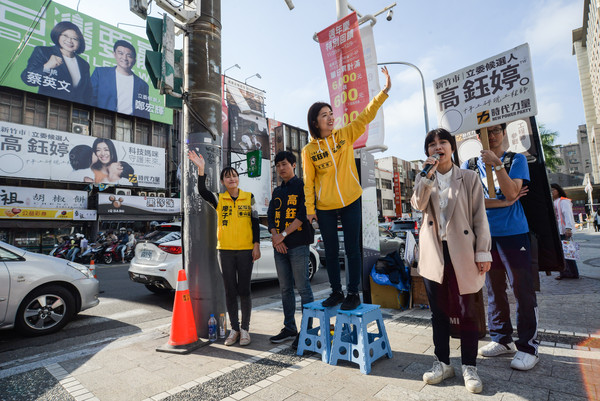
(472, 380)
(439, 372)
(494, 349)
(524, 361)
(232, 338)
(244, 337)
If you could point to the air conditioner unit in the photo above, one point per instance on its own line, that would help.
(82, 129)
(142, 193)
(121, 191)
(152, 194)
(161, 195)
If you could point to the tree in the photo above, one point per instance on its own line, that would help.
(550, 153)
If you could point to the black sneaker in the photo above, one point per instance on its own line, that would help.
(295, 343)
(352, 301)
(335, 298)
(284, 335)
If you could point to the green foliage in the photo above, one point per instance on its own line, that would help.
(548, 137)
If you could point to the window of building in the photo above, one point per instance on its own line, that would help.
(142, 131)
(388, 204)
(159, 135)
(386, 184)
(81, 116)
(124, 129)
(36, 111)
(11, 107)
(58, 116)
(103, 124)
(377, 183)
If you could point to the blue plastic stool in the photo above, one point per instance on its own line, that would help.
(316, 339)
(352, 342)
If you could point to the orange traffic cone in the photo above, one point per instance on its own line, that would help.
(93, 268)
(184, 338)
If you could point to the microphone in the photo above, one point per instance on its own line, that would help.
(428, 167)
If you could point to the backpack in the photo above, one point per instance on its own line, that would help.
(508, 159)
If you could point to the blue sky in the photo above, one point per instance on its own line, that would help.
(438, 36)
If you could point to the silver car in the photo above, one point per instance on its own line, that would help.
(40, 294)
(158, 259)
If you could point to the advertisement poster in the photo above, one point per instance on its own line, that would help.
(259, 186)
(43, 198)
(75, 57)
(342, 51)
(131, 205)
(40, 153)
(35, 214)
(496, 90)
(248, 129)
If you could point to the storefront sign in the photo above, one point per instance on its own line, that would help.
(82, 214)
(42, 198)
(342, 51)
(35, 214)
(88, 73)
(132, 205)
(496, 90)
(39, 153)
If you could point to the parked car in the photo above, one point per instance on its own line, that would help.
(401, 226)
(388, 243)
(158, 259)
(40, 294)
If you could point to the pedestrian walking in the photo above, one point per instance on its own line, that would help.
(454, 254)
(511, 253)
(292, 235)
(563, 209)
(596, 221)
(238, 244)
(332, 190)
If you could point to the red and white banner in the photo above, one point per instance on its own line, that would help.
(344, 62)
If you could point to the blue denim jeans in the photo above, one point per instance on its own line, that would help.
(512, 257)
(292, 267)
(351, 217)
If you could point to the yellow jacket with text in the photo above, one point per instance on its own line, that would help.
(234, 230)
(330, 177)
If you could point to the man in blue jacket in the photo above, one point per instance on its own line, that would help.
(118, 88)
(292, 236)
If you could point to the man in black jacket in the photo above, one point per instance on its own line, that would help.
(292, 235)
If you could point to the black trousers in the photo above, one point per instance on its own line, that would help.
(236, 268)
(445, 301)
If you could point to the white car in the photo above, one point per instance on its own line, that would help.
(40, 294)
(158, 259)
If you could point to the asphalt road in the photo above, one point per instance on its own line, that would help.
(125, 308)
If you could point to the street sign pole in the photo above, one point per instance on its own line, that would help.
(202, 133)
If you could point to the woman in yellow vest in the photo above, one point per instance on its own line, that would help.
(332, 188)
(238, 242)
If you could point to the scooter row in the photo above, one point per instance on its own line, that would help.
(99, 252)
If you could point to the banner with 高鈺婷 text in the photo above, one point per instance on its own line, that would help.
(496, 90)
(44, 154)
(343, 58)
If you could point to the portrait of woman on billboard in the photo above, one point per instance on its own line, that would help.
(58, 70)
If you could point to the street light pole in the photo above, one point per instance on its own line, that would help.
(422, 87)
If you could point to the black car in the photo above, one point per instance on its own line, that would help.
(402, 226)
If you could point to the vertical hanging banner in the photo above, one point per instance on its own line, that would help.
(344, 62)
(376, 127)
(496, 90)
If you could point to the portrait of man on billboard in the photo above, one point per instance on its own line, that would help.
(58, 70)
(118, 88)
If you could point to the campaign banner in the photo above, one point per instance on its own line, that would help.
(43, 198)
(39, 153)
(248, 129)
(342, 51)
(35, 213)
(496, 90)
(136, 205)
(74, 57)
(376, 127)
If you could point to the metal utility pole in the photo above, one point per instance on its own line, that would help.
(202, 133)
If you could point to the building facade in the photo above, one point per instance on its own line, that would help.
(404, 173)
(576, 161)
(586, 47)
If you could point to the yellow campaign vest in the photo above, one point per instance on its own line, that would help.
(234, 230)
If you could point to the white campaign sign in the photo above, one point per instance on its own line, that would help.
(45, 154)
(376, 127)
(43, 198)
(496, 90)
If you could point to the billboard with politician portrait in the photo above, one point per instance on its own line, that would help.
(71, 56)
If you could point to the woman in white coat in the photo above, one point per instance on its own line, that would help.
(454, 253)
(563, 210)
